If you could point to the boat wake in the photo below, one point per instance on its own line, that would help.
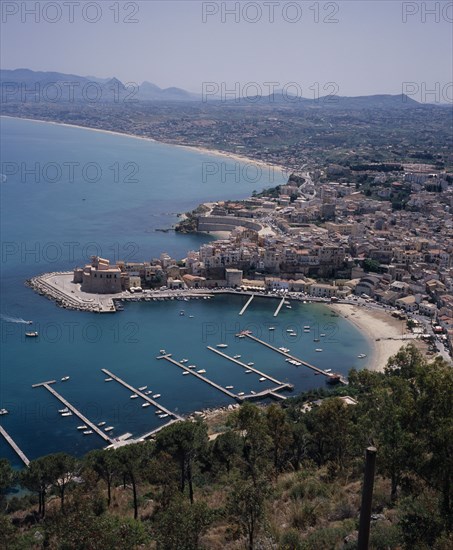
(9, 319)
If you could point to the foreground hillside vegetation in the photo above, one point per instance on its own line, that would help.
(274, 476)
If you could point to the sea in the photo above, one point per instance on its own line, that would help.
(67, 193)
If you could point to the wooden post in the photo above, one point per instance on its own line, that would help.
(367, 496)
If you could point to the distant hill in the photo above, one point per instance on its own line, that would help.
(31, 85)
(25, 84)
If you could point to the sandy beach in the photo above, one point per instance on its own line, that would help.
(272, 171)
(385, 333)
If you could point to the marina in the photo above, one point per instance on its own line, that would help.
(145, 397)
(73, 410)
(329, 375)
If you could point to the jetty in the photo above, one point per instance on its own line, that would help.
(279, 307)
(15, 446)
(193, 372)
(328, 375)
(249, 301)
(73, 409)
(142, 395)
(248, 367)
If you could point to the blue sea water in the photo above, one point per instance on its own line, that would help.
(55, 225)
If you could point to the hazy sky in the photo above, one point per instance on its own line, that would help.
(363, 46)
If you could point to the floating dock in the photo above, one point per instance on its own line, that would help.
(83, 418)
(142, 395)
(248, 367)
(14, 445)
(279, 307)
(201, 377)
(328, 375)
(249, 301)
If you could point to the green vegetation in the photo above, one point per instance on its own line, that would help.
(271, 477)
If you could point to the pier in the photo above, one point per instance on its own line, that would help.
(141, 394)
(247, 304)
(193, 372)
(75, 411)
(248, 367)
(328, 375)
(279, 307)
(14, 445)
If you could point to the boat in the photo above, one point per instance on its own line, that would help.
(3, 411)
(163, 415)
(181, 312)
(192, 367)
(307, 327)
(65, 410)
(318, 349)
(108, 429)
(241, 393)
(327, 370)
(315, 339)
(87, 432)
(185, 373)
(241, 336)
(134, 396)
(148, 392)
(142, 388)
(162, 351)
(184, 360)
(102, 424)
(271, 328)
(156, 396)
(31, 334)
(146, 405)
(322, 335)
(289, 307)
(158, 411)
(248, 371)
(229, 387)
(262, 379)
(253, 392)
(289, 330)
(82, 427)
(236, 357)
(29, 322)
(191, 316)
(201, 371)
(250, 364)
(222, 346)
(69, 413)
(65, 378)
(362, 356)
(108, 379)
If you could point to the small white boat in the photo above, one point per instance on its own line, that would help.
(361, 356)
(328, 370)
(241, 336)
(253, 392)
(241, 393)
(191, 316)
(69, 413)
(222, 346)
(201, 371)
(87, 432)
(31, 334)
(142, 388)
(322, 335)
(192, 367)
(315, 339)
(102, 424)
(82, 427)
(149, 392)
(163, 415)
(108, 379)
(156, 396)
(307, 327)
(65, 378)
(318, 350)
(289, 330)
(134, 396)
(108, 429)
(185, 373)
(65, 410)
(271, 328)
(229, 387)
(146, 405)
(162, 351)
(3, 411)
(181, 312)
(262, 379)
(248, 371)
(184, 361)
(250, 364)
(236, 357)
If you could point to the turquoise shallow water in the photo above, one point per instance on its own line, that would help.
(48, 226)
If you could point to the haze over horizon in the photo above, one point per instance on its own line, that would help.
(365, 48)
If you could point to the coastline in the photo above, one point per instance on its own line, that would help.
(385, 333)
(195, 148)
